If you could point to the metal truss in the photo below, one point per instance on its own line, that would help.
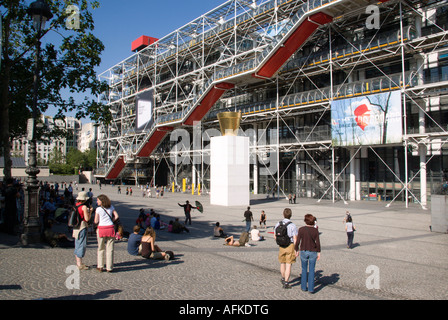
(230, 45)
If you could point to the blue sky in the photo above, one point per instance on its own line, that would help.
(118, 23)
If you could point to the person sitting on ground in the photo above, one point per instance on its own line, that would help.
(242, 241)
(218, 231)
(155, 221)
(121, 235)
(142, 216)
(55, 239)
(149, 249)
(179, 227)
(134, 241)
(255, 234)
(61, 213)
(49, 207)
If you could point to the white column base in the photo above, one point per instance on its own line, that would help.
(229, 171)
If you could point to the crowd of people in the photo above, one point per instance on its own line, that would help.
(55, 206)
(303, 243)
(146, 191)
(54, 202)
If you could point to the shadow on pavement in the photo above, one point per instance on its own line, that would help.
(97, 296)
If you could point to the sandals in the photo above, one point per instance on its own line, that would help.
(83, 267)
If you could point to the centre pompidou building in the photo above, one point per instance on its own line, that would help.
(343, 100)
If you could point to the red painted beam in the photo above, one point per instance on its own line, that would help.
(119, 165)
(292, 44)
(142, 42)
(207, 103)
(154, 141)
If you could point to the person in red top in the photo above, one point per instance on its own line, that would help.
(80, 234)
(308, 244)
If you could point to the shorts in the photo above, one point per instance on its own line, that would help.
(287, 255)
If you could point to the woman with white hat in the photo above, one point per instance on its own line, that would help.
(80, 234)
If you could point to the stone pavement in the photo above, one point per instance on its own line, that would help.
(394, 249)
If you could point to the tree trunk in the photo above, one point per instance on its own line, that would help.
(4, 87)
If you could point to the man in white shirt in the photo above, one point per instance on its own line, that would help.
(286, 255)
(255, 234)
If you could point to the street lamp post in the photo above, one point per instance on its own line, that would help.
(41, 13)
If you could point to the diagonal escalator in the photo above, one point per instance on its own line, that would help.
(310, 16)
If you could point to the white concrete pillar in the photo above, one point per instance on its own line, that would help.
(229, 171)
(352, 176)
(255, 157)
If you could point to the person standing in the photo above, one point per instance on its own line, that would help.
(187, 210)
(104, 218)
(90, 194)
(286, 255)
(263, 219)
(249, 218)
(350, 229)
(308, 244)
(70, 193)
(80, 234)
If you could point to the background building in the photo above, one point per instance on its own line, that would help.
(342, 99)
(87, 137)
(45, 148)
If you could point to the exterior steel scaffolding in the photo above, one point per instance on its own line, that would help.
(283, 64)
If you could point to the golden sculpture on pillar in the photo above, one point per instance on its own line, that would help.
(229, 122)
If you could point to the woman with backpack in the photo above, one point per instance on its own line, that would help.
(105, 217)
(80, 232)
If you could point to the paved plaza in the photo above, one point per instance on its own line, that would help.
(396, 256)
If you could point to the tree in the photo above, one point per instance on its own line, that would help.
(90, 159)
(57, 163)
(70, 67)
(76, 159)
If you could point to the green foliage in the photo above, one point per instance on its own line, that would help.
(74, 161)
(67, 68)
